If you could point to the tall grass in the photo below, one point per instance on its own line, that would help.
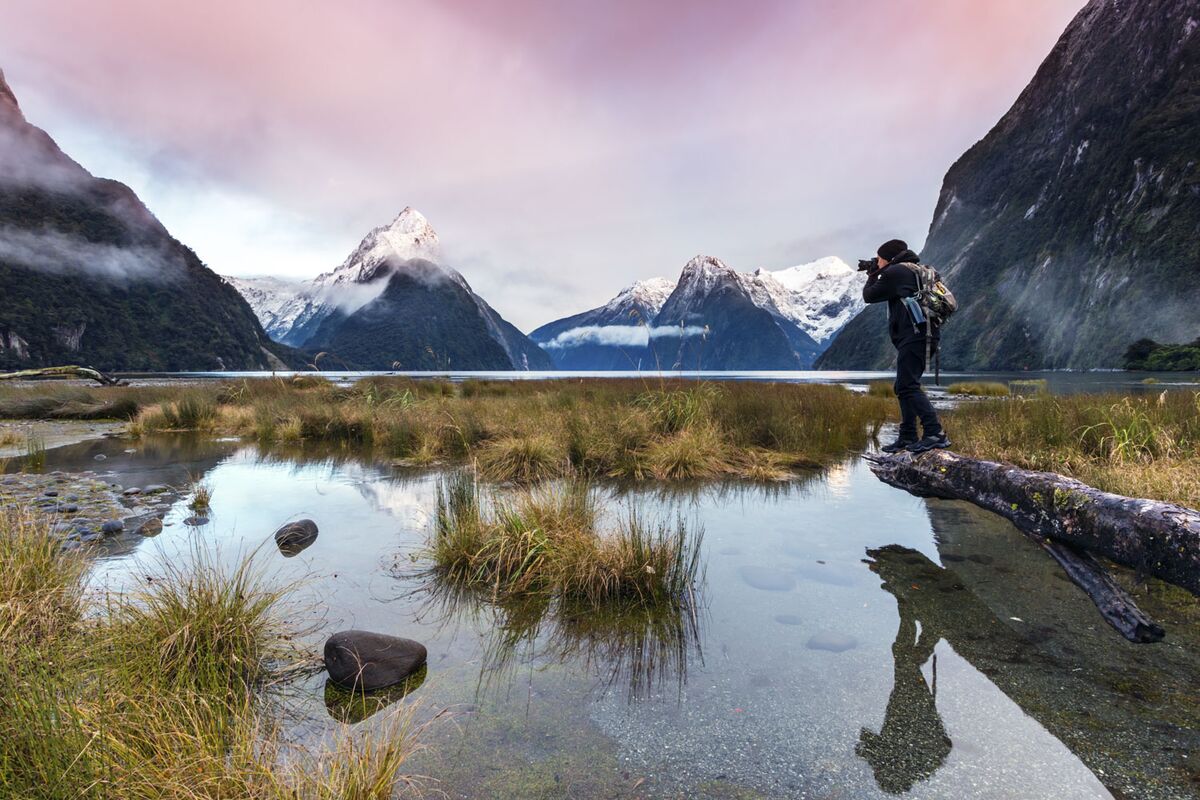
(1138, 446)
(159, 694)
(546, 542)
(523, 431)
(979, 389)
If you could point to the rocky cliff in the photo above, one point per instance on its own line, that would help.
(1071, 230)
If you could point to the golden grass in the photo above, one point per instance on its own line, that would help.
(979, 389)
(519, 431)
(546, 543)
(881, 389)
(159, 694)
(1136, 446)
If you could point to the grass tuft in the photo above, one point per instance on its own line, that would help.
(546, 543)
(979, 389)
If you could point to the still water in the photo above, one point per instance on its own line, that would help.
(1055, 382)
(958, 663)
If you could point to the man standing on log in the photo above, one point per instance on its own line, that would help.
(914, 338)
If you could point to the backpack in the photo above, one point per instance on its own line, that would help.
(934, 297)
(937, 303)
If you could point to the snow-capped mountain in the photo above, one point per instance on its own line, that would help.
(392, 305)
(612, 337)
(656, 323)
(820, 296)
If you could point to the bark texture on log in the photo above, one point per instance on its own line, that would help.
(62, 372)
(1150, 536)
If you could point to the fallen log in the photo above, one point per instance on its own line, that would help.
(62, 372)
(1072, 521)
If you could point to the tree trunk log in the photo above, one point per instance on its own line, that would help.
(62, 372)
(1150, 536)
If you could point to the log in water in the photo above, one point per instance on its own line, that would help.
(1072, 521)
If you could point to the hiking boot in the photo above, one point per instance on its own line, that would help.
(901, 443)
(938, 441)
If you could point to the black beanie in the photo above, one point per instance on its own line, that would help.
(891, 248)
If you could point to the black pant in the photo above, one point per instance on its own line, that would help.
(910, 365)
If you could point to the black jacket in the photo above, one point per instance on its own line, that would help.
(890, 284)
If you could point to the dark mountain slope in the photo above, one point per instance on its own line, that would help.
(1071, 229)
(88, 275)
(426, 319)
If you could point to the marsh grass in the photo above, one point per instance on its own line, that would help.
(35, 451)
(979, 389)
(546, 542)
(160, 692)
(881, 389)
(1136, 446)
(525, 431)
(201, 497)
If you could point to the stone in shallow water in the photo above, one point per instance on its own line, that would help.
(789, 619)
(196, 522)
(768, 579)
(366, 661)
(832, 642)
(151, 527)
(295, 536)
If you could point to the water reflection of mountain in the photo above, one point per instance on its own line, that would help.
(1129, 712)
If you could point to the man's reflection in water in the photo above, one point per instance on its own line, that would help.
(913, 743)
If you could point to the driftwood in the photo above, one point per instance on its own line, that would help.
(62, 372)
(1072, 521)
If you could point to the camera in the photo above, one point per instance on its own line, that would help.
(867, 264)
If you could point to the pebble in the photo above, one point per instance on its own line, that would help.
(100, 457)
(112, 526)
(131, 491)
(196, 522)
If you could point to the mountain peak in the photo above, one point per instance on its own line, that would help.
(409, 236)
(7, 98)
(703, 264)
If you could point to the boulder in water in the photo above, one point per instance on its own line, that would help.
(365, 661)
(295, 536)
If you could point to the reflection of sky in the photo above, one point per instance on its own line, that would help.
(759, 706)
(540, 137)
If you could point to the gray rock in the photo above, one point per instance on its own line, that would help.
(151, 527)
(156, 488)
(832, 642)
(768, 579)
(99, 457)
(112, 526)
(131, 491)
(51, 493)
(365, 661)
(196, 521)
(69, 508)
(295, 536)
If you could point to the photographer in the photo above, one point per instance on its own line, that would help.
(889, 280)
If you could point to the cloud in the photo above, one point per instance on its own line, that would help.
(60, 253)
(621, 335)
(605, 142)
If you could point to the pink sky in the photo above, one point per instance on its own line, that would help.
(561, 149)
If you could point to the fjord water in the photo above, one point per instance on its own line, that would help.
(1056, 382)
(960, 663)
